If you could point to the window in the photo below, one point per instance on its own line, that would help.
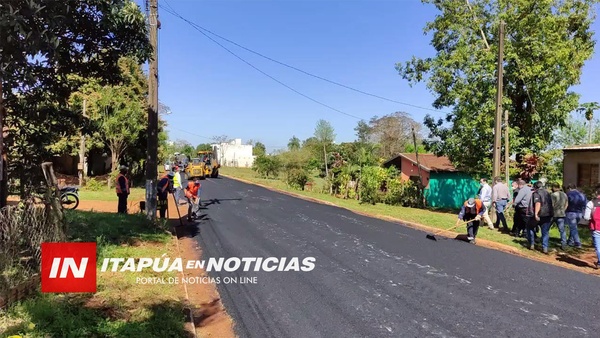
(587, 174)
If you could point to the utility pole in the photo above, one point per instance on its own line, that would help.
(498, 127)
(81, 166)
(3, 173)
(421, 186)
(152, 151)
(506, 149)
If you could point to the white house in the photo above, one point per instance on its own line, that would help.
(234, 154)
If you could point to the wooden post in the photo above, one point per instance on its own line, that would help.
(81, 166)
(152, 150)
(421, 186)
(498, 119)
(3, 166)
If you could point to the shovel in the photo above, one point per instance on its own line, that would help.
(432, 236)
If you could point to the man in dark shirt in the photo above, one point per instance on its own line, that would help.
(574, 213)
(164, 188)
(543, 213)
(122, 187)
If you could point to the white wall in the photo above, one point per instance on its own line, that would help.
(235, 154)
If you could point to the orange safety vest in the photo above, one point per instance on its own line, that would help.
(478, 205)
(119, 185)
(191, 190)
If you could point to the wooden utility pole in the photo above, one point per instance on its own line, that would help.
(152, 151)
(506, 149)
(498, 120)
(421, 196)
(3, 173)
(81, 166)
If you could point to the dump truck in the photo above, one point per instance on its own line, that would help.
(211, 164)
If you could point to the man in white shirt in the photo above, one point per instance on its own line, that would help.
(486, 197)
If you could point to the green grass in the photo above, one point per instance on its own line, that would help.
(110, 195)
(427, 217)
(120, 308)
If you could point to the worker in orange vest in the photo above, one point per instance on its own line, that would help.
(165, 187)
(472, 211)
(192, 192)
(122, 187)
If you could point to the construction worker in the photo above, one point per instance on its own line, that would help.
(192, 192)
(472, 211)
(177, 184)
(164, 189)
(122, 187)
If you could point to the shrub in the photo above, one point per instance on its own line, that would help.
(297, 178)
(94, 185)
(267, 165)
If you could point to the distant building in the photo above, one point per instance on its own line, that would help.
(234, 154)
(581, 165)
(445, 185)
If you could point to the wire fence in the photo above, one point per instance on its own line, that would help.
(23, 228)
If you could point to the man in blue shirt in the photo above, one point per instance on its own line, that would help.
(574, 214)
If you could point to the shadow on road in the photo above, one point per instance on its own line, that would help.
(217, 201)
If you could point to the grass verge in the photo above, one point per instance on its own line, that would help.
(110, 195)
(426, 217)
(121, 307)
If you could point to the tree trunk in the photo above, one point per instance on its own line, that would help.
(325, 158)
(114, 157)
(3, 157)
(590, 133)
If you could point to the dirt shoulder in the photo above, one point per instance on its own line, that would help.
(583, 263)
(203, 303)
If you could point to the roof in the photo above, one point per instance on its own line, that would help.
(582, 147)
(429, 162)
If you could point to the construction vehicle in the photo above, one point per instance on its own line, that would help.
(211, 164)
(195, 169)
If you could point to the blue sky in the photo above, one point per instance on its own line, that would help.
(357, 43)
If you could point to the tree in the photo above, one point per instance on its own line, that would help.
(221, 139)
(588, 109)
(203, 147)
(363, 131)
(294, 143)
(546, 45)
(259, 149)
(43, 43)
(325, 136)
(393, 132)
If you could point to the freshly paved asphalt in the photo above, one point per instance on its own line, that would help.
(380, 279)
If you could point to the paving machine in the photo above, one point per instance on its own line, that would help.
(211, 164)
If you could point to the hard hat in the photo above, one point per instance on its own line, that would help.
(171, 174)
(197, 182)
(471, 202)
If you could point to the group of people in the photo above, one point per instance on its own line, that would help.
(169, 183)
(535, 211)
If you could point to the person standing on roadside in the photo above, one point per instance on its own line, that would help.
(515, 228)
(522, 209)
(560, 202)
(177, 184)
(500, 197)
(486, 197)
(122, 187)
(543, 213)
(592, 214)
(575, 209)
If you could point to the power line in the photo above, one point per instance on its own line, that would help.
(198, 27)
(259, 70)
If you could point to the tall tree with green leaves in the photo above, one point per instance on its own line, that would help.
(325, 135)
(45, 42)
(294, 143)
(546, 45)
(259, 149)
(588, 109)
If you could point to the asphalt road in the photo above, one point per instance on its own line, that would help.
(374, 278)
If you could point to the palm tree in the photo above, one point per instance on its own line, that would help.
(588, 109)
